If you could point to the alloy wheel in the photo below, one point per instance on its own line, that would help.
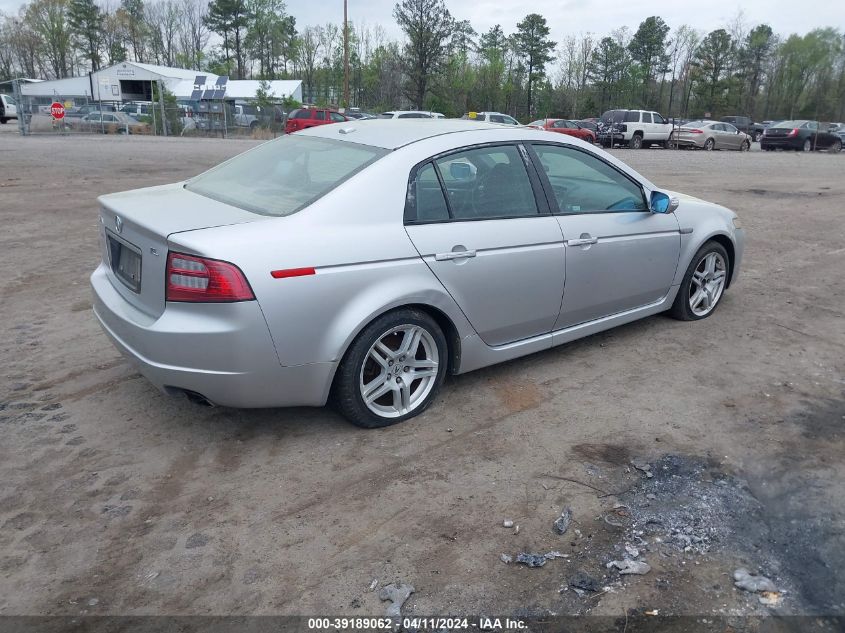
(709, 144)
(399, 371)
(808, 145)
(707, 284)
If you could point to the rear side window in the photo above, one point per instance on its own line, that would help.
(632, 117)
(283, 176)
(300, 114)
(646, 117)
(486, 183)
(320, 115)
(426, 196)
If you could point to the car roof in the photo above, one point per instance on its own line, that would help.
(395, 133)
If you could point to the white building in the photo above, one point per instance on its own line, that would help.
(133, 81)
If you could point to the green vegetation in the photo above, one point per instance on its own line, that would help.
(444, 64)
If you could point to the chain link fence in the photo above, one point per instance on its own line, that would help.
(164, 117)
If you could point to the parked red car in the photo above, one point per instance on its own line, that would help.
(303, 118)
(565, 126)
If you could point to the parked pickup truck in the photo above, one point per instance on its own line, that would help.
(246, 115)
(8, 108)
(745, 124)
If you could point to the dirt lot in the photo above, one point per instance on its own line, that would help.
(116, 499)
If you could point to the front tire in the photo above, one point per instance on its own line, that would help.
(746, 145)
(703, 285)
(393, 369)
(758, 137)
(836, 147)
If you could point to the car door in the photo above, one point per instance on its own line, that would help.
(648, 127)
(490, 239)
(619, 255)
(732, 136)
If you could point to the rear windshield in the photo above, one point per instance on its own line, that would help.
(613, 116)
(789, 124)
(283, 176)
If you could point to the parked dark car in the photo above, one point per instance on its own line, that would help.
(800, 135)
(745, 124)
(589, 124)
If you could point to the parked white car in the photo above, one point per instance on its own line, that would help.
(8, 108)
(411, 114)
(491, 117)
(634, 128)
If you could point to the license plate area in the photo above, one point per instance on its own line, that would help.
(125, 261)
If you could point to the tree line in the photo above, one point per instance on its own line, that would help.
(442, 63)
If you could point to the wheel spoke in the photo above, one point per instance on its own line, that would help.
(424, 363)
(421, 373)
(405, 395)
(377, 355)
(384, 350)
(378, 392)
(698, 278)
(710, 263)
(411, 342)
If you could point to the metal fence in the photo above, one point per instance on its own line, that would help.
(179, 118)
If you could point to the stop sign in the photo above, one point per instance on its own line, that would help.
(57, 110)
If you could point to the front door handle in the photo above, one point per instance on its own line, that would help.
(442, 257)
(584, 241)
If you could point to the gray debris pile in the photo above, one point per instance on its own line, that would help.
(397, 594)
(627, 566)
(561, 524)
(683, 504)
(770, 595)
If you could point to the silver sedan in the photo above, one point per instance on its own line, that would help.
(361, 263)
(710, 135)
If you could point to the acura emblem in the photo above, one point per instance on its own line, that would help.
(118, 224)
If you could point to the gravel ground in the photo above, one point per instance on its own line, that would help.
(116, 499)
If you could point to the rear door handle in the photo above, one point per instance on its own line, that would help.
(582, 241)
(441, 257)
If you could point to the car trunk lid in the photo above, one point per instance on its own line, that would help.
(134, 227)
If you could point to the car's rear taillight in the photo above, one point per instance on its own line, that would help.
(793, 132)
(695, 131)
(201, 280)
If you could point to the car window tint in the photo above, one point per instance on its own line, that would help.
(646, 117)
(510, 120)
(658, 118)
(300, 114)
(497, 118)
(281, 177)
(632, 117)
(320, 115)
(428, 196)
(337, 117)
(489, 182)
(582, 183)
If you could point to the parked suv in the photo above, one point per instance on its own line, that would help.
(745, 124)
(303, 118)
(8, 108)
(634, 128)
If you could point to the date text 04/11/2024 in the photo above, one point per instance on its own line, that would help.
(418, 623)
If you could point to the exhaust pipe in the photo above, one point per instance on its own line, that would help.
(197, 398)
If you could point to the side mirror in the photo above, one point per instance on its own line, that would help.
(662, 203)
(460, 171)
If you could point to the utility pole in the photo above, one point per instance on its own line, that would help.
(345, 57)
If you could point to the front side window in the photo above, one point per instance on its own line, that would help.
(336, 117)
(583, 183)
(281, 177)
(510, 120)
(658, 118)
(488, 182)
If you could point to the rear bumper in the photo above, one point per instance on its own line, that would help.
(222, 351)
(782, 143)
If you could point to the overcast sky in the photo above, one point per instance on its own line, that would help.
(574, 16)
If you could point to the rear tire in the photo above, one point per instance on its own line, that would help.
(636, 142)
(682, 307)
(709, 145)
(3, 121)
(758, 136)
(377, 363)
(807, 146)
